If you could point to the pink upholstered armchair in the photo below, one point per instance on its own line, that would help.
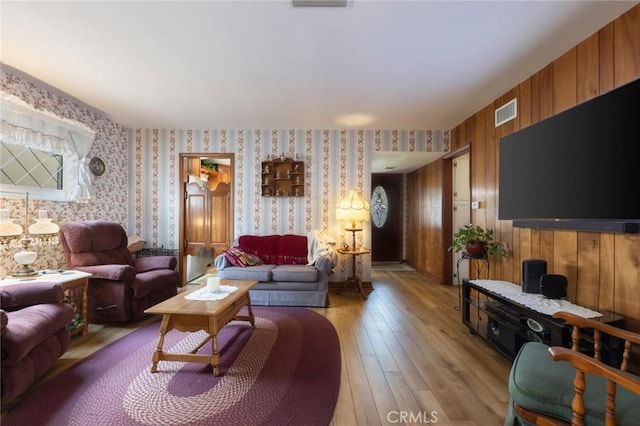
(122, 286)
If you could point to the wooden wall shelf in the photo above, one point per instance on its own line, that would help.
(283, 178)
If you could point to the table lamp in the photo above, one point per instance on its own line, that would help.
(351, 209)
(42, 232)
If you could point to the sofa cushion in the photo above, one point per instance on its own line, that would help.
(539, 383)
(249, 273)
(299, 273)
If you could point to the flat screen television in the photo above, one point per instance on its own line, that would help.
(579, 169)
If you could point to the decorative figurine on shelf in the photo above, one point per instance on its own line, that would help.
(297, 192)
(277, 174)
(282, 157)
(296, 166)
(288, 174)
(266, 168)
(297, 180)
(266, 180)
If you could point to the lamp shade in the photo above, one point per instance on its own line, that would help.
(7, 227)
(353, 208)
(43, 225)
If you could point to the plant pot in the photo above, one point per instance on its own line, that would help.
(476, 248)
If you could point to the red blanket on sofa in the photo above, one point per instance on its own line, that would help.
(286, 249)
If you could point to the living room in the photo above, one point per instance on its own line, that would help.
(602, 268)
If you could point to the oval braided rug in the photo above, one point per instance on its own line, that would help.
(286, 371)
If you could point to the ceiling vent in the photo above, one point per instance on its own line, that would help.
(319, 3)
(507, 112)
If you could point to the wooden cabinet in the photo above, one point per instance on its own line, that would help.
(283, 178)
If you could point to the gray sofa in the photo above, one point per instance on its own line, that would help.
(291, 270)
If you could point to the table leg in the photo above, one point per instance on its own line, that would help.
(252, 319)
(215, 355)
(158, 352)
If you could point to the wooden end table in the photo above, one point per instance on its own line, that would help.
(194, 315)
(74, 284)
(354, 278)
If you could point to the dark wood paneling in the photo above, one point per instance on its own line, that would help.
(564, 82)
(626, 36)
(426, 247)
(603, 269)
(588, 69)
(605, 55)
(588, 260)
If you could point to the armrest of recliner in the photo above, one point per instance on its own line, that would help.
(110, 272)
(16, 296)
(4, 320)
(151, 263)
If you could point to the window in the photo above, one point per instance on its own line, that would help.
(42, 153)
(23, 166)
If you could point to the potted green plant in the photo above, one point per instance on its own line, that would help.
(477, 240)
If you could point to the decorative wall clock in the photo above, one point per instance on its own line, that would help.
(379, 206)
(96, 165)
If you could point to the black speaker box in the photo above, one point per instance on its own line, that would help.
(553, 286)
(532, 271)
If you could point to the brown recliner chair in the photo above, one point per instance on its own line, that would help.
(34, 334)
(121, 286)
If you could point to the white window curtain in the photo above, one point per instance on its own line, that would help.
(22, 124)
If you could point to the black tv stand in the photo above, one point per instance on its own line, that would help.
(506, 324)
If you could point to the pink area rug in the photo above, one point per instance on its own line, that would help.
(286, 371)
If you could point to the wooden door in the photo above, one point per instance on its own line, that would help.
(206, 212)
(386, 235)
(461, 210)
(219, 226)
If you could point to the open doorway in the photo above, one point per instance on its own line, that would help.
(206, 211)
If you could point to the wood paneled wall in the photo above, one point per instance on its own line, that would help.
(603, 268)
(427, 191)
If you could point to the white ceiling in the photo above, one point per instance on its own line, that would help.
(266, 65)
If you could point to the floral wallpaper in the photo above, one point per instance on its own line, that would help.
(145, 163)
(110, 145)
(335, 161)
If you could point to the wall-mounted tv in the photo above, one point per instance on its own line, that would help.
(579, 169)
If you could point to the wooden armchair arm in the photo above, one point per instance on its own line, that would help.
(585, 364)
(579, 321)
(628, 337)
(589, 365)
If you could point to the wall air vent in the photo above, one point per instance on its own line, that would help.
(507, 112)
(319, 3)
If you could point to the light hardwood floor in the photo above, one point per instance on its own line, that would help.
(405, 353)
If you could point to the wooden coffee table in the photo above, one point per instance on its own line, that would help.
(194, 315)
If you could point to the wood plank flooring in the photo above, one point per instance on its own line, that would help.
(406, 357)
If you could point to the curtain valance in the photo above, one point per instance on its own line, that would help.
(22, 124)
